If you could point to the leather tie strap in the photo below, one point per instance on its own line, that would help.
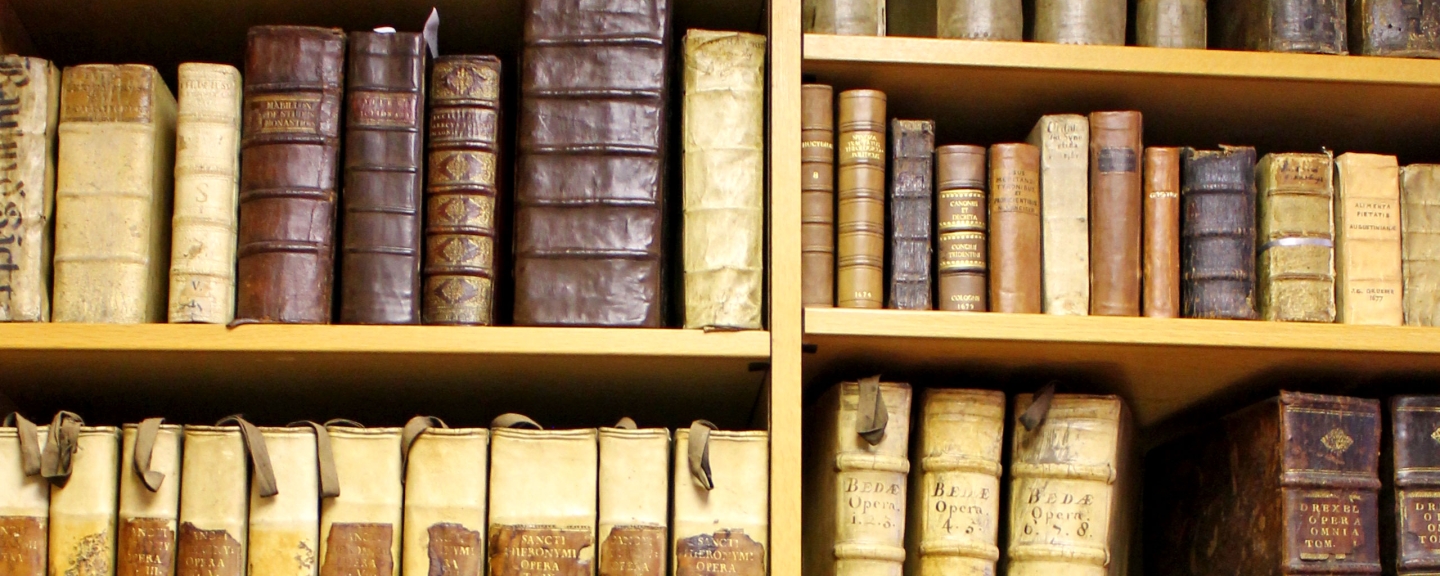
(412, 431)
(29, 442)
(1034, 415)
(145, 435)
(871, 416)
(259, 455)
(57, 460)
(627, 423)
(329, 478)
(513, 420)
(699, 452)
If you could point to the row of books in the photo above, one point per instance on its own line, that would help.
(338, 499)
(1400, 28)
(1083, 219)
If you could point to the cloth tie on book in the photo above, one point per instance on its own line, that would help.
(58, 458)
(329, 479)
(145, 435)
(513, 420)
(1035, 413)
(29, 442)
(259, 454)
(872, 418)
(412, 431)
(699, 450)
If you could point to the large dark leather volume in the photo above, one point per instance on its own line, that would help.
(1410, 505)
(1314, 26)
(960, 217)
(1015, 229)
(1287, 486)
(1217, 233)
(290, 147)
(380, 250)
(912, 207)
(590, 184)
(1162, 233)
(1407, 28)
(817, 195)
(461, 191)
(1116, 213)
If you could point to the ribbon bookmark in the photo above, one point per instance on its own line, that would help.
(699, 452)
(29, 442)
(259, 455)
(145, 435)
(871, 417)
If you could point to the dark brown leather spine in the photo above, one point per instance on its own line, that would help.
(1015, 228)
(380, 252)
(290, 149)
(960, 215)
(1407, 28)
(1115, 213)
(912, 207)
(461, 191)
(817, 195)
(1217, 246)
(1414, 497)
(1315, 26)
(1162, 233)
(860, 214)
(590, 184)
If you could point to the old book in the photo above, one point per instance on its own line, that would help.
(462, 191)
(446, 474)
(1368, 253)
(1015, 265)
(284, 531)
(1297, 472)
(912, 208)
(385, 110)
(1072, 487)
(847, 17)
(721, 526)
(214, 503)
(290, 147)
(207, 194)
(83, 505)
(1160, 274)
(1395, 28)
(960, 217)
(543, 501)
(1296, 243)
(360, 528)
(1080, 21)
(150, 479)
(1217, 243)
(1420, 227)
(590, 184)
(1408, 544)
(1316, 26)
(724, 179)
(24, 500)
(29, 102)
(1116, 213)
(860, 216)
(855, 479)
(1171, 23)
(979, 19)
(634, 486)
(955, 519)
(112, 194)
(1064, 144)
(817, 195)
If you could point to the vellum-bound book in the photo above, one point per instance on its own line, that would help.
(150, 479)
(954, 522)
(29, 100)
(83, 508)
(285, 527)
(634, 500)
(722, 505)
(542, 502)
(24, 501)
(214, 503)
(445, 481)
(360, 527)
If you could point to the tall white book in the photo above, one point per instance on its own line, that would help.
(207, 193)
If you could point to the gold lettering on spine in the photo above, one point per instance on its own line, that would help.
(283, 114)
(102, 93)
(383, 109)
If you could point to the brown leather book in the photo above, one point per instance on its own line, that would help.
(1217, 243)
(912, 203)
(461, 191)
(590, 184)
(290, 149)
(817, 195)
(1314, 26)
(860, 248)
(1015, 228)
(1161, 272)
(1410, 465)
(960, 216)
(1116, 213)
(1406, 28)
(1287, 486)
(380, 253)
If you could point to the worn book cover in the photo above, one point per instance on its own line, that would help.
(1420, 243)
(1410, 501)
(1064, 143)
(847, 17)
(1403, 28)
(1171, 23)
(360, 527)
(1080, 21)
(1116, 212)
(29, 101)
(1014, 219)
(1296, 248)
(954, 521)
(961, 216)
(207, 194)
(860, 189)
(84, 505)
(912, 208)
(284, 533)
(150, 480)
(720, 520)
(1217, 242)
(1369, 276)
(543, 498)
(446, 476)
(24, 501)
(980, 19)
(817, 195)
(634, 482)
(214, 503)
(1160, 274)
(1312, 26)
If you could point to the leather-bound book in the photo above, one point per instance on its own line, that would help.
(860, 216)
(207, 188)
(1080, 21)
(112, 194)
(1395, 28)
(634, 486)
(214, 503)
(1314, 26)
(446, 476)
(817, 195)
(1161, 270)
(1015, 229)
(1296, 242)
(590, 184)
(980, 19)
(721, 525)
(1420, 228)
(960, 215)
(1171, 23)
(360, 527)
(955, 482)
(912, 208)
(543, 502)
(855, 479)
(1116, 213)
(1217, 226)
(29, 102)
(1410, 469)
(24, 500)
(284, 533)
(83, 505)
(847, 17)
(724, 179)
(1064, 143)
(290, 147)
(150, 479)
(1368, 260)
(385, 110)
(462, 191)
(1286, 486)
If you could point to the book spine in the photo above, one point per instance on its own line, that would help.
(1116, 213)
(1080, 21)
(1217, 245)
(1296, 261)
(912, 207)
(1394, 28)
(869, 498)
(725, 530)
(1330, 483)
(83, 511)
(980, 19)
(724, 179)
(1368, 253)
(1064, 144)
(214, 503)
(960, 217)
(1420, 228)
(284, 531)
(543, 489)
(860, 219)
(146, 542)
(1170, 23)
(24, 509)
(846, 17)
(634, 484)
(1161, 270)
(1415, 486)
(462, 191)
(290, 146)
(817, 195)
(445, 510)
(1015, 229)
(953, 526)
(1313, 26)
(112, 199)
(29, 102)
(360, 528)
(207, 188)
